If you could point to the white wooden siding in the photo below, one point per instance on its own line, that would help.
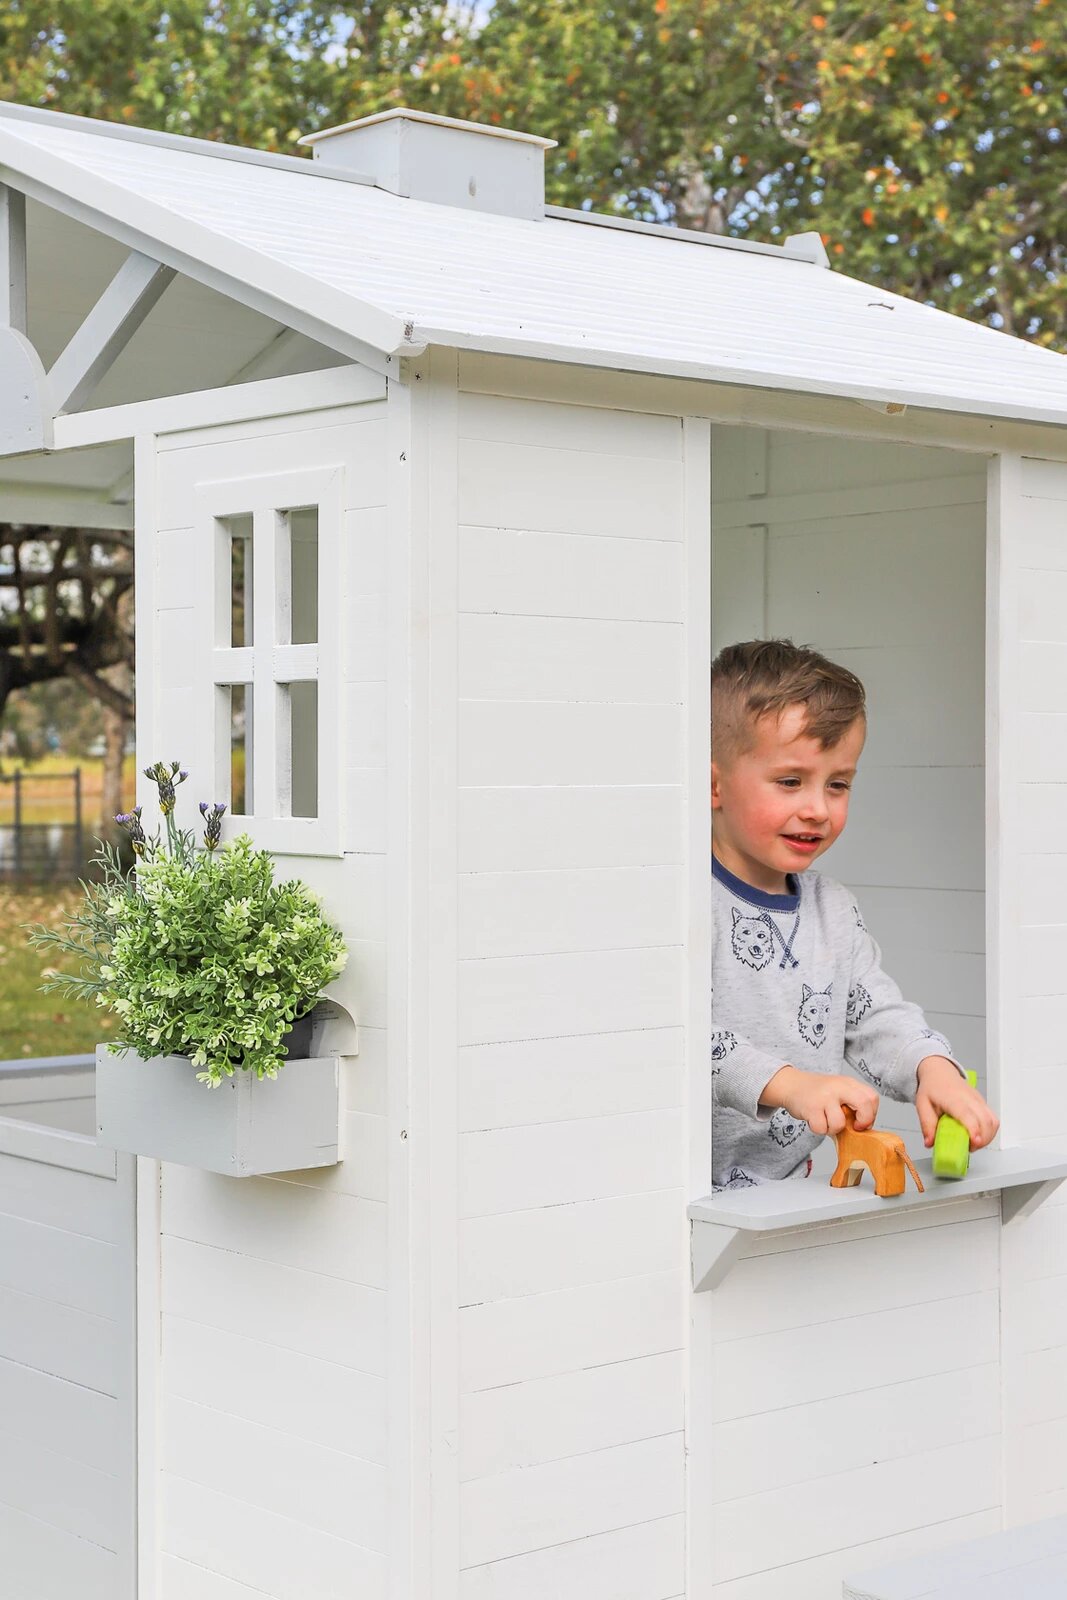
(830, 1351)
(834, 1350)
(1030, 503)
(628, 1563)
(67, 1487)
(571, 1001)
(272, 1448)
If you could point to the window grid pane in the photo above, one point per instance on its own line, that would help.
(299, 706)
(241, 749)
(241, 629)
(266, 601)
(303, 576)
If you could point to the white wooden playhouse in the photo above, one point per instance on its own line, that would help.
(507, 474)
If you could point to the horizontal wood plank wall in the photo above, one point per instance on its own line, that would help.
(66, 1362)
(833, 1352)
(571, 1001)
(1030, 497)
(274, 1365)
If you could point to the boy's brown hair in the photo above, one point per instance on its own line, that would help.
(763, 677)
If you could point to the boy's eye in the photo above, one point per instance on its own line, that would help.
(841, 785)
(788, 783)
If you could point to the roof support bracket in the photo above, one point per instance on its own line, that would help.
(25, 404)
(25, 399)
(107, 330)
(12, 259)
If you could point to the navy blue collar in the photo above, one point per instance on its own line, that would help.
(756, 897)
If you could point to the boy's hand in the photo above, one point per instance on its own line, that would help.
(817, 1100)
(941, 1088)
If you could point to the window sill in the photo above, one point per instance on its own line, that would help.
(720, 1222)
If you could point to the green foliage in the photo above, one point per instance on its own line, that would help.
(33, 1023)
(924, 143)
(256, 72)
(197, 952)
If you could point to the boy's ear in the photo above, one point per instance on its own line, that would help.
(716, 798)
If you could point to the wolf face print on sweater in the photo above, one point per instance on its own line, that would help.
(752, 939)
(865, 1072)
(738, 1179)
(784, 1127)
(859, 1003)
(722, 1042)
(813, 1014)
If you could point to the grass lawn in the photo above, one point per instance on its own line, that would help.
(32, 1023)
(47, 798)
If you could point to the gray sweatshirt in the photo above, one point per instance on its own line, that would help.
(796, 980)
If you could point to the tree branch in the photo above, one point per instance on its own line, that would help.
(100, 689)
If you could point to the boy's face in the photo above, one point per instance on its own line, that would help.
(781, 804)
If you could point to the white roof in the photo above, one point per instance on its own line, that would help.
(361, 265)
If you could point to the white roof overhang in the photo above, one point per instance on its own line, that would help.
(363, 270)
(220, 262)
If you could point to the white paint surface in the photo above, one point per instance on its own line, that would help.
(275, 1355)
(67, 1483)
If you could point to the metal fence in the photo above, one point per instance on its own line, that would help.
(40, 852)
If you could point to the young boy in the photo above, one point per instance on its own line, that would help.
(797, 985)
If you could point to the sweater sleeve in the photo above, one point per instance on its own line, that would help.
(886, 1036)
(740, 1071)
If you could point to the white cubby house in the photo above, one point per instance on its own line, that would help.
(442, 498)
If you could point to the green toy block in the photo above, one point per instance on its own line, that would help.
(952, 1143)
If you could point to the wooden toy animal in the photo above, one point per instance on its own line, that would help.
(883, 1154)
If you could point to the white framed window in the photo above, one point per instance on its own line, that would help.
(271, 693)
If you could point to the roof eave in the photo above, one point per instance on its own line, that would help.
(357, 329)
(881, 398)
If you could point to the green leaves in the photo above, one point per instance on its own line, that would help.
(214, 960)
(199, 953)
(924, 143)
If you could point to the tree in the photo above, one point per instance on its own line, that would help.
(925, 144)
(256, 72)
(66, 612)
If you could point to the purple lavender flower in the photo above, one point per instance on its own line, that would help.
(213, 817)
(166, 782)
(130, 822)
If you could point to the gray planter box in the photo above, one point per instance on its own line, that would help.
(246, 1126)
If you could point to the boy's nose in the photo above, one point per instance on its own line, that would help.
(812, 808)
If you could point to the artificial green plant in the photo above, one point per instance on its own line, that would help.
(197, 949)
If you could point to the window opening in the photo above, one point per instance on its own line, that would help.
(271, 660)
(303, 576)
(302, 704)
(239, 709)
(240, 630)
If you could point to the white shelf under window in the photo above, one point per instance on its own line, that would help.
(721, 1222)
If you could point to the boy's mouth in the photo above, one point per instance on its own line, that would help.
(803, 841)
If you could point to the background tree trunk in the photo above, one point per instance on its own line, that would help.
(116, 729)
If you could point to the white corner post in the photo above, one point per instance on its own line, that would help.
(25, 410)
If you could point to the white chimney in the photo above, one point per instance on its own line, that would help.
(453, 163)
